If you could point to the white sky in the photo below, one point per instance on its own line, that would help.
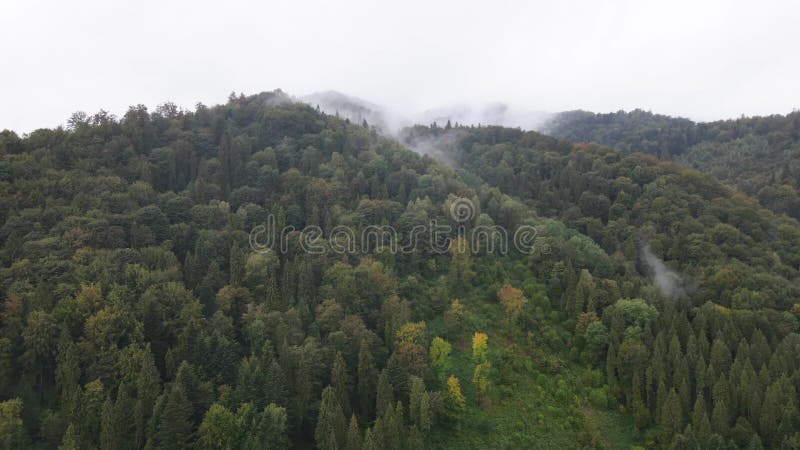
(704, 60)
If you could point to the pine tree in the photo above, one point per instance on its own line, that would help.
(719, 418)
(171, 423)
(700, 423)
(148, 386)
(331, 425)
(354, 441)
(117, 431)
(671, 420)
(219, 430)
(268, 430)
(340, 381)
(237, 265)
(275, 385)
(367, 380)
(370, 442)
(415, 399)
(385, 395)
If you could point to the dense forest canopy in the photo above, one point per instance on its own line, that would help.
(661, 309)
(759, 156)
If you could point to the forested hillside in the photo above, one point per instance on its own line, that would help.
(759, 156)
(718, 362)
(656, 308)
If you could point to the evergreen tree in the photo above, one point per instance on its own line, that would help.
(340, 382)
(700, 423)
(330, 432)
(354, 441)
(385, 395)
(219, 430)
(275, 385)
(148, 387)
(671, 420)
(367, 380)
(268, 430)
(171, 423)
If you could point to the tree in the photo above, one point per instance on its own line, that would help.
(12, 431)
(671, 419)
(267, 430)
(480, 378)
(330, 432)
(454, 401)
(700, 423)
(513, 302)
(219, 430)
(171, 424)
(367, 379)
(439, 355)
(354, 441)
(410, 333)
(720, 417)
(117, 431)
(479, 346)
(275, 385)
(340, 382)
(385, 395)
(148, 386)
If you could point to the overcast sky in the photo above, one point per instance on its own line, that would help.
(703, 60)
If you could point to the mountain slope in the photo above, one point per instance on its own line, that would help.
(716, 354)
(759, 156)
(142, 308)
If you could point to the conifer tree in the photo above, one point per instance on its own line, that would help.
(330, 432)
(700, 423)
(354, 441)
(148, 387)
(385, 395)
(671, 420)
(340, 382)
(171, 424)
(367, 380)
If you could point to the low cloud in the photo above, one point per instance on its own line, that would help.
(671, 284)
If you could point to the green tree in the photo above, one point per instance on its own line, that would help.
(12, 431)
(330, 433)
(354, 441)
(171, 423)
(340, 382)
(148, 387)
(439, 355)
(384, 397)
(219, 430)
(267, 430)
(367, 379)
(671, 419)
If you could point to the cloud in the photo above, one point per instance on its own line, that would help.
(671, 284)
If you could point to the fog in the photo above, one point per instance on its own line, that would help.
(670, 283)
(702, 60)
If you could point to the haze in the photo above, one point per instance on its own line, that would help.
(718, 59)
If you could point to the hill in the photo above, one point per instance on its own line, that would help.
(253, 275)
(759, 156)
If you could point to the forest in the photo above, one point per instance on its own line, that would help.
(659, 310)
(759, 156)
